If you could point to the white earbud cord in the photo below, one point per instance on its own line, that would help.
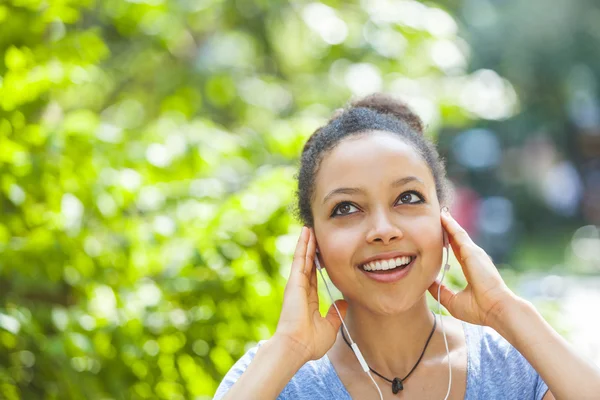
(446, 268)
(355, 348)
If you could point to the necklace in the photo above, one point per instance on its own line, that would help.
(397, 383)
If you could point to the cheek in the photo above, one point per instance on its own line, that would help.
(427, 235)
(339, 245)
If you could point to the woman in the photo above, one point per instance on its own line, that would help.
(372, 189)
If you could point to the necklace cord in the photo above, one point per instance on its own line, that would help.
(418, 361)
(354, 346)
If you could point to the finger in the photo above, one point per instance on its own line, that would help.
(446, 295)
(313, 276)
(462, 245)
(313, 295)
(309, 260)
(476, 264)
(332, 315)
(460, 254)
(456, 233)
(313, 292)
(310, 268)
(300, 252)
(297, 276)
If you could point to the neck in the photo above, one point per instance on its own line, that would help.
(391, 344)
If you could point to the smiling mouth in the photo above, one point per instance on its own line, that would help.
(387, 266)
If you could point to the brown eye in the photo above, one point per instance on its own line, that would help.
(344, 209)
(410, 198)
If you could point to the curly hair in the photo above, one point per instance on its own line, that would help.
(376, 112)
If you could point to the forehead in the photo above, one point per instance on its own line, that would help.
(369, 160)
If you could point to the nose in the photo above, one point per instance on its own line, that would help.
(383, 229)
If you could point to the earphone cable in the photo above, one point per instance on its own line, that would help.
(355, 348)
(354, 345)
(446, 267)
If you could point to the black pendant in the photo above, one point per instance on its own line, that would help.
(397, 385)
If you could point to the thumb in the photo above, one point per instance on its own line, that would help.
(446, 295)
(332, 315)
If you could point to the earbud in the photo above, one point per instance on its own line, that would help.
(317, 260)
(447, 248)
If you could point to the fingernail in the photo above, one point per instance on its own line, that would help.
(445, 210)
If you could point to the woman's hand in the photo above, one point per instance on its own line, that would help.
(486, 296)
(301, 324)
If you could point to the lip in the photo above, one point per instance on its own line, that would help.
(386, 256)
(389, 277)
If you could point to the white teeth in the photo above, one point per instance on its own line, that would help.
(401, 261)
(383, 265)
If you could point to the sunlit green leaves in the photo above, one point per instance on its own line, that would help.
(147, 155)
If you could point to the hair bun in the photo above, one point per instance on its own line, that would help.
(386, 104)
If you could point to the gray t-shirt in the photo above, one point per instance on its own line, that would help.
(495, 370)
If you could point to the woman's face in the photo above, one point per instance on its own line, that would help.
(392, 206)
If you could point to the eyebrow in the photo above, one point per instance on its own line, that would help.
(396, 183)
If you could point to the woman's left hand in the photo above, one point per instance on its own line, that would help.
(486, 295)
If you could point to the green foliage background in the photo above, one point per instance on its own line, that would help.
(147, 153)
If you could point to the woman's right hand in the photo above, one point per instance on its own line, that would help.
(300, 323)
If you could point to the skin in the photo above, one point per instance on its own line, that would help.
(390, 322)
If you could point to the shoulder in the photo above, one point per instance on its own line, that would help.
(314, 380)
(496, 369)
(236, 371)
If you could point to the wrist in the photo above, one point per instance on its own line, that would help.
(292, 349)
(511, 313)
